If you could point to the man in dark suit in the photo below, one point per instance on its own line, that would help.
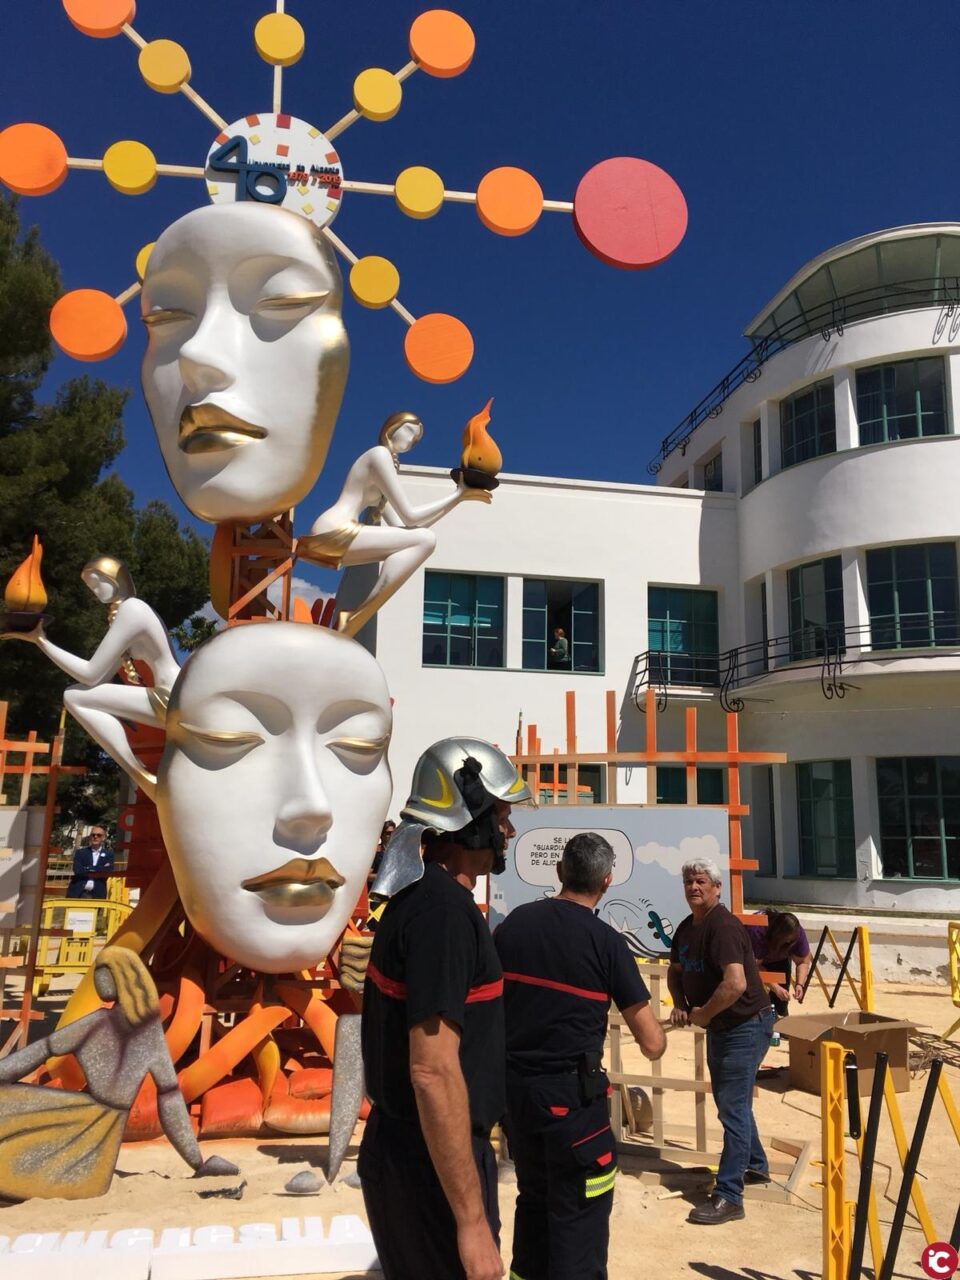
(92, 864)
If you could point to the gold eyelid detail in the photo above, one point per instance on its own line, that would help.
(290, 301)
(368, 745)
(166, 315)
(222, 737)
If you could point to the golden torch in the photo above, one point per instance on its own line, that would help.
(481, 458)
(25, 598)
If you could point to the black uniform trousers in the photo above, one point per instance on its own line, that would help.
(566, 1164)
(411, 1221)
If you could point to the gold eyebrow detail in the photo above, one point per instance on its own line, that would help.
(166, 316)
(290, 301)
(221, 737)
(367, 745)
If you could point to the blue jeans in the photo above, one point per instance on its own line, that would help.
(733, 1057)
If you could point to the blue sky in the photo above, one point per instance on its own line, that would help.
(790, 126)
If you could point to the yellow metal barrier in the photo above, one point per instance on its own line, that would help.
(861, 987)
(86, 919)
(953, 945)
(836, 1216)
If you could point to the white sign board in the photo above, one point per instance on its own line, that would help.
(645, 902)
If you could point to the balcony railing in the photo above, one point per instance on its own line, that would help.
(826, 319)
(823, 649)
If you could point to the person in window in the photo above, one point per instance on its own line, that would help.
(92, 865)
(560, 649)
(777, 946)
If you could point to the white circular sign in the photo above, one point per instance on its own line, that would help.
(279, 160)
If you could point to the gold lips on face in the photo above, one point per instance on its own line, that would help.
(206, 428)
(301, 882)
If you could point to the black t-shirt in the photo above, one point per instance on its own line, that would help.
(561, 966)
(433, 956)
(703, 950)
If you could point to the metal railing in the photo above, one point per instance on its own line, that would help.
(809, 648)
(826, 319)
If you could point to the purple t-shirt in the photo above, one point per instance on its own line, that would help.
(757, 933)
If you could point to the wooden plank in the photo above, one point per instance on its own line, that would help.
(659, 1083)
(700, 1101)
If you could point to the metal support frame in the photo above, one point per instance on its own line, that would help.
(836, 1240)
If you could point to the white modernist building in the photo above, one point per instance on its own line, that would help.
(796, 559)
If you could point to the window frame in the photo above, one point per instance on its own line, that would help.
(793, 450)
(913, 798)
(898, 622)
(447, 628)
(671, 666)
(833, 629)
(810, 837)
(576, 586)
(890, 393)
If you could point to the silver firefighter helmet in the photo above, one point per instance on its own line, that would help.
(456, 784)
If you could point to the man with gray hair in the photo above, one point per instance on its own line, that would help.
(562, 967)
(714, 982)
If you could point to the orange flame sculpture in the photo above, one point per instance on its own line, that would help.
(25, 591)
(481, 458)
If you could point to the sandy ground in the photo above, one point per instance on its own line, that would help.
(649, 1232)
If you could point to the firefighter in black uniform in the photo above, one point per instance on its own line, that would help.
(562, 966)
(433, 1031)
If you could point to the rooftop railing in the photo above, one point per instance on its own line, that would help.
(826, 319)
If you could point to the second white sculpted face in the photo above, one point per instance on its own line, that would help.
(272, 789)
(246, 358)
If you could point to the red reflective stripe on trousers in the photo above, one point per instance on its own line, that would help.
(557, 986)
(580, 1141)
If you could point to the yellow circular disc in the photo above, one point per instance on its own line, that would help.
(377, 94)
(143, 257)
(279, 39)
(418, 192)
(164, 65)
(130, 167)
(374, 282)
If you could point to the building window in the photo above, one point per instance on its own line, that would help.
(561, 625)
(462, 620)
(764, 815)
(713, 474)
(808, 426)
(764, 627)
(901, 401)
(816, 608)
(672, 784)
(757, 453)
(683, 635)
(825, 812)
(553, 790)
(912, 593)
(919, 800)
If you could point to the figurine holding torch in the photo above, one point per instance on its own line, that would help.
(395, 533)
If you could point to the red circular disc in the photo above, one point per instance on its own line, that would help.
(629, 213)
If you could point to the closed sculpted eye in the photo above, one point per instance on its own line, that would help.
(292, 303)
(232, 742)
(360, 747)
(166, 315)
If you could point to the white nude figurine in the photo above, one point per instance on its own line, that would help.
(398, 534)
(135, 634)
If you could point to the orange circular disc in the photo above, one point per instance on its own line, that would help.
(100, 18)
(88, 324)
(438, 348)
(33, 160)
(442, 43)
(509, 201)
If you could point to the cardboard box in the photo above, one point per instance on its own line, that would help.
(865, 1034)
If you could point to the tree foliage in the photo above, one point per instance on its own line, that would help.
(56, 480)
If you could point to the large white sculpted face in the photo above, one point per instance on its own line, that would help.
(246, 357)
(273, 787)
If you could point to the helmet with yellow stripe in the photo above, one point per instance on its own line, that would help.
(456, 785)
